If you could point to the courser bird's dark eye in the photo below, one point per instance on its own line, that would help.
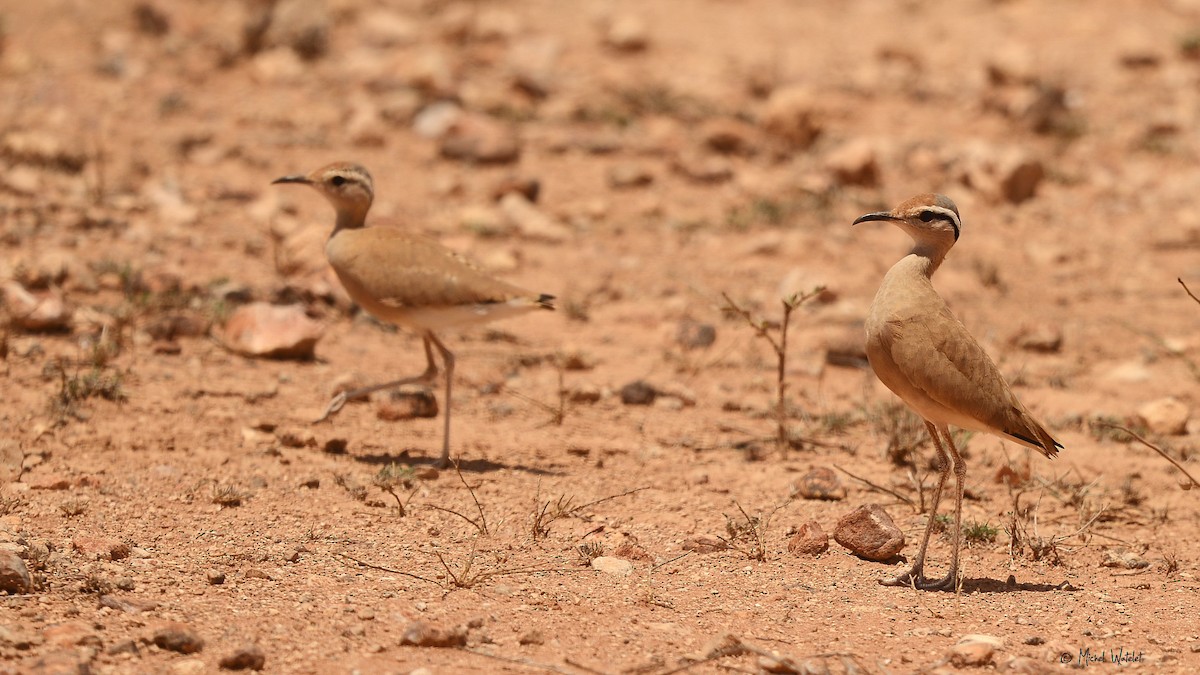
(927, 216)
(337, 181)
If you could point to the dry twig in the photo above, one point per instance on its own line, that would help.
(880, 488)
(1148, 444)
(1189, 291)
(762, 329)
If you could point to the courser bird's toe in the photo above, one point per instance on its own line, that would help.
(946, 583)
(334, 406)
(909, 578)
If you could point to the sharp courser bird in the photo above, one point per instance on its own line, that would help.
(925, 355)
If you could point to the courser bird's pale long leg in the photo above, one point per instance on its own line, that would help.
(950, 581)
(915, 575)
(448, 361)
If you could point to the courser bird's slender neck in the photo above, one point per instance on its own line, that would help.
(348, 220)
(925, 258)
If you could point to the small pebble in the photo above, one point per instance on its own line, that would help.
(638, 393)
(249, 657)
(178, 637)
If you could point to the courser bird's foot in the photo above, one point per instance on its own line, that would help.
(334, 406)
(946, 583)
(914, 578)
(911, 578)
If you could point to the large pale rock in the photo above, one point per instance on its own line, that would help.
(974, 650)
(618, 567)
(101, 548)
(383, 27)
(629, 175)
(303, 25)
(627, 33)
(1002, 174)
(38, 148)
(854, 163)
(272, 331)
(44, 311)
(533, 62)
(422, 634)
(1043, 339)
(792, 114)
(529, 220)
(1167, 416)
(1013, 64)
(437, 119)
(477, 138)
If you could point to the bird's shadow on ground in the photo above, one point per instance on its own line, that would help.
(1012, 586)
(466, 466)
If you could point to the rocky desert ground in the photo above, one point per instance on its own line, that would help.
(634, 493)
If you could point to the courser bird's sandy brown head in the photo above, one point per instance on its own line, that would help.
(346, 185)
(927, 217)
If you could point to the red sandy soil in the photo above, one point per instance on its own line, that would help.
(139, 142)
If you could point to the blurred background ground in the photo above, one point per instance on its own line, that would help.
(176, 512)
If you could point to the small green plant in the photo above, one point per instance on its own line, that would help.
(837, 423)
(979, 533)
(942, 522)
(103, 382)
(395, 476)
(962, 441)
(128, 276)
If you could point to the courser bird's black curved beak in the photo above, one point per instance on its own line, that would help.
(878, 215)
(293, 179)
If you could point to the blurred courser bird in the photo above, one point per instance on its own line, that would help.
(407, 280)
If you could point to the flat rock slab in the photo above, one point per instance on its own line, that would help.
(271, 331)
